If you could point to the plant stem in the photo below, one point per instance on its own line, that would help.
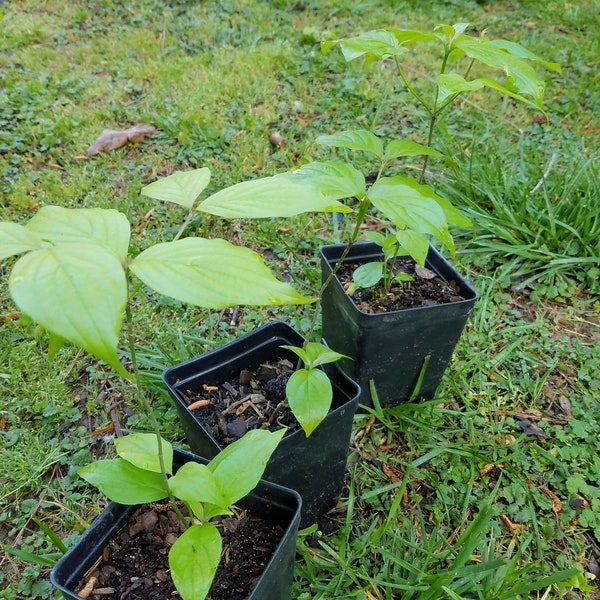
(140, 393)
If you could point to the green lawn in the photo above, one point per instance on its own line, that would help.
(449, 498)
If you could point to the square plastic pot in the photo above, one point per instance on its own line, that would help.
(392, 348)
(313, 466)
(268, 501)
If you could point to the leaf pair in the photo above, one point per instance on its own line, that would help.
(136, 477)
(76, 260)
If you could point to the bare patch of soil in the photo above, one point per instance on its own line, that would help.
(135, 565)
(426, 288)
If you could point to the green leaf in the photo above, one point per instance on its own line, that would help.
(84, 292)
(16, 239)
(211, 273)
(239, 467)
(125, 483)
(335, 179)
(398, 148)
(368, 275)
(452, 32)
(522, 52)
(141, 450)
(314, 354)
(521, 77)
(194, 559)
(309, 395)
(376, 237)
(106, 227)
(409, 204)
(409, 36)
(182, 187)
(283, 195)
(361, 139)
(413, 243)
(450, 84)
(376, 45)
(195, 482)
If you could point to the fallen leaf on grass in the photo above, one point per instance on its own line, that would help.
(392, 473)
(556, 503)
(530, 428)
(514, 527)
(111, 139)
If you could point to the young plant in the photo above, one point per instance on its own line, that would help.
(207, 491)
(74, 279)
(411, 209)
(309, 390)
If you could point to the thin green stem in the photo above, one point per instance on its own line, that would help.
(139, 390)
(185, 223)
(410, 88)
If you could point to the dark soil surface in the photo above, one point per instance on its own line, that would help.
(135, 565)
(251, 400)
(426, 289)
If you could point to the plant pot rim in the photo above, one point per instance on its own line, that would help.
(468, 293)
(276, 324)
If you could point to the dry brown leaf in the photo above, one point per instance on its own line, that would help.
(111, 139)
(514, 527)
(424, 273)
(556, 503)
(565, 406)
(530, 428)
(392, 473)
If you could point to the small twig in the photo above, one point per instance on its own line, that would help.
(539, 184)
(275, 413)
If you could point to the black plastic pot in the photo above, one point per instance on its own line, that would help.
(268, 501)
(312, 466)
(391, 348)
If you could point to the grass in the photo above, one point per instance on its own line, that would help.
(216, 79)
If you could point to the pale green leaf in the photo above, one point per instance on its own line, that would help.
(451, 32)
(141, 450)
(282, 195)
(521, 78)
(522, 52)
(195, 482)
(16, 239)
(193, 560)
(77, 291)
(368, 275)
(107, 227)
(239, 467)
(309, 394)
(450, 84)
(211, 273)
(413, 243)
(361, 139)
(182, 187)
(375, 236)
(410, 204)
(314, 354)
(376, 45)
(410, 36)
(125, 483)
(397, 148)
(335, 179)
